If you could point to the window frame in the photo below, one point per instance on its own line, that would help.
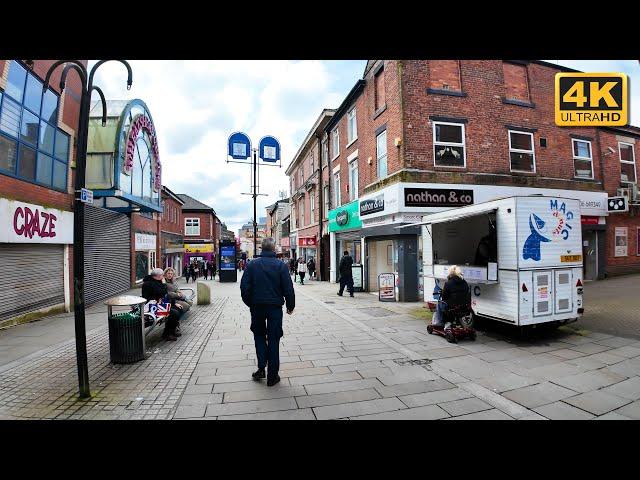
(576, 157)
(437, 143)
(337, 194)
(327, 201)
(376, 94)
(353, 189)
(352, 129)
(386, 155)
(186, 227)
(324, 155)
(335, 142)
(518, 150)
(633, 153)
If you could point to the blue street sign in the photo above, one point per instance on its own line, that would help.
(239, 146)
(86, 196)
(269, 149)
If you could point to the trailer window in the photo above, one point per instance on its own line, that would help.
(467, 241)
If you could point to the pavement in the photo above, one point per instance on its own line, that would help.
(341, 358)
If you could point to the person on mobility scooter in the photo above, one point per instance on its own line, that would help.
(453, 309)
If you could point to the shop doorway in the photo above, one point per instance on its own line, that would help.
(590, 255)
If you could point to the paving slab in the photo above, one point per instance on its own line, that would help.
(492, 414)
(567, 353)
(414, 387)
(587, 363)
(628, 368)
(538, 395)
(597, 402)
(631, 410)
(304, 372)
(464, 406)
(428, 412)
(408, 376)
(330, 378)
(358, 408)
(200, 399)
(352, 367)
(553, 371)
(612, 416)
(629, 389)
(298, 414)
(190, 411)
(438, 396)
(334, 387)
(587, 381)
(616, 342)
(503, 354)
(563, 411)
(590, 348)
(628, 351)
(247, 385)
(264, 393)
(349, 396)
(256, 406)
(509, 381)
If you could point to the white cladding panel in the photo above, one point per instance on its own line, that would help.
(507, 239)
(549, 232)
(497, 300)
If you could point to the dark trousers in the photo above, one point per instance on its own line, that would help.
(193, 277)
(171, 322)
(346, 281)
(266, 325)
(302, 274)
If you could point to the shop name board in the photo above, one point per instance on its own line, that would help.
(27, 223)
(372, 205)
(198, 248)
(307, 241)
(145, 241)
(437, 197)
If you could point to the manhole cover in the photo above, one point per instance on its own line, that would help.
(421, 361)
(376, 311)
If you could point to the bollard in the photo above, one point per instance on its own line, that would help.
(204, 294)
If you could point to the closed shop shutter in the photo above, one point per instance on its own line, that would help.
(34, 278)
(106, 254)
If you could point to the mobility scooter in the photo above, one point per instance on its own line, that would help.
(461, 318)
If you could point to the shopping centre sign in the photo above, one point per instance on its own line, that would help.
(28, 223)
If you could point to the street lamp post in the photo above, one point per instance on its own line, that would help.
(87, 86)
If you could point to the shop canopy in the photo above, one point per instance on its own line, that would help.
(455, 215)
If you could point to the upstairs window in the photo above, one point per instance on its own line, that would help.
(582, 159)
(192, 226)
(337, 198)
(352, 126)
(379, 92)
(516, 82)
(335, 143)
(627, 163)
(521, 152)
(444, 75)
(325, 152)
(381, 154)
(449, 145)
(353, 179)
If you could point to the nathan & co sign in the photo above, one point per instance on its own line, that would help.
(437, 197)
(372, 205)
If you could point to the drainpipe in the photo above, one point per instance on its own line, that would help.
(321, 207)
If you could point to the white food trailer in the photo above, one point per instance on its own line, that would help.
(522, 257)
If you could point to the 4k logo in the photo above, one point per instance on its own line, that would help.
(591, 99)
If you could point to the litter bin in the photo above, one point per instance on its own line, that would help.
(126, 329)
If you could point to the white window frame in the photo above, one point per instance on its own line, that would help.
(615, 242)
(337, 194)
(325, 152)
(386, 155)
(353, 189)
(326, 196)
(312, 201)
(633, 153)
(192, 226)
(450, 144)
(152, 260)
(576, 157)
(352, 128)
(517, 150)
(302, 224)
(335, 143)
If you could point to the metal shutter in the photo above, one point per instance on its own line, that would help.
(33, 279)
(107, 263)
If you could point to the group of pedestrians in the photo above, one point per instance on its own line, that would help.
(298, 268)
(198, 269)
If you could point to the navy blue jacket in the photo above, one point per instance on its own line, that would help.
(266, 281)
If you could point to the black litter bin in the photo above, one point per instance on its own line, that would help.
(126, 330)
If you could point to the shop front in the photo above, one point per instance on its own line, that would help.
(35, 245)
(172, 251)
(307, 248)
(145, 254)
(198, 252)
(345, 235)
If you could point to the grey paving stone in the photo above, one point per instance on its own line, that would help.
(375, 372)
(200, 399)
(264, 393)
(587, 381)
(332, 377)
(333, 387)
(627, 351)
(296, 365)
(553, 371)
(533, 416)
(376, 351)
(298, 414)
(566, 353)
(198, 389)
(215, 379)
(629, 389)
(428, 412)
(616, 342)
(509, 381)
(382, 356)
(493, 414)
(504, 354)
(562, 411)
(538, 395)
(632, 410)
(336, 361)
(430, 398)
(464, 406)
(414, 387)
(597, 402)
(248, 385)
(365, 346)
(612, 416)
(587, 363)
(443, 352)
(352, 367)
(590, 348)
(256, 406)
(304, 372)
(408, 376)
(320, 356)
(190, 411)
(628, 368)
(358, 408)
(518, 364)
(337, 398)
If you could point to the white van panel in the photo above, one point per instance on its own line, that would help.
(563, 291)
(507, 240)
(526, 298)
(542, 293)
(497, 300)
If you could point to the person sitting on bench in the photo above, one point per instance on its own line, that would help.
(154, 288)
(456, 294)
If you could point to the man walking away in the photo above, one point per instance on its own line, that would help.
(185, 272)
(302, 269)
(311, 266)
(265, 286)
(346, 276)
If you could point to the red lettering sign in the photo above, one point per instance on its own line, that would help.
(586, 220)
(27, 223)
(307, 241)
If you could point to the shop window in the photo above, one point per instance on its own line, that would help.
(352, 126)
(582, 159)
(142, 265)
(627, 163)
(379, 92)
(381, 154)
(192, 226)
(521, 152)
(449, 144)
(335, 143)
(32, 148)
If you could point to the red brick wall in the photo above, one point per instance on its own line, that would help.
(444, 74)
(166, 225)
(515, 82)
(206, 225)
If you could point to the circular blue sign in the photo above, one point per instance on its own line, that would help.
(239, 146)
(269, 150)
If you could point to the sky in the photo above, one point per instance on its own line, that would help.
(197, 104)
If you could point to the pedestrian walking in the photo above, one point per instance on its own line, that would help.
(302, 270)
(311, 267)
(193, 271)
(205, 271)
(265, 288)
(212, 269)
(346, 275)
(185, 272)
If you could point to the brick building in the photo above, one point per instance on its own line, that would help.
(37, 155)
(276, 215)
(202, 230)
(172, 231)
(480, 126)
(307, 186)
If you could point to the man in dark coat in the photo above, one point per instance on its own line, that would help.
(265, 286)
(153, 288)
(456, 293)
(346, 275)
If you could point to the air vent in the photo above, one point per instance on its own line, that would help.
(563, 304)
(543, 142)
(543, 306)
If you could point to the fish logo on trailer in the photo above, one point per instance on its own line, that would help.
(540, 232)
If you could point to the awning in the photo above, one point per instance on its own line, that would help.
(453, 215)
(172, 250)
